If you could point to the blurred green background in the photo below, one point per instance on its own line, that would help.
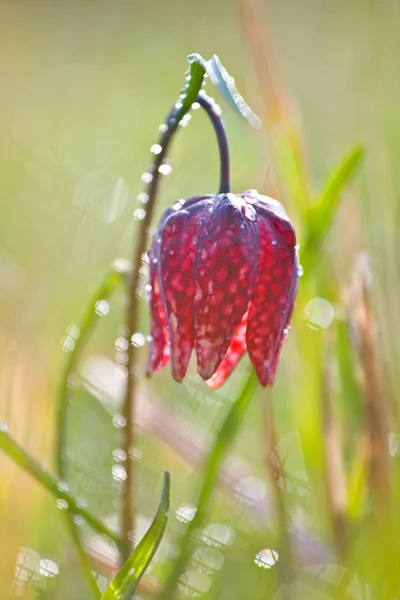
(84, 87)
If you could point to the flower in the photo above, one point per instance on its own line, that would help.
(223, 279)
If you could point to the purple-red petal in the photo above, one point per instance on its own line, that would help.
(178, 287)
(225, 269)
(235, 352)
(274, 293)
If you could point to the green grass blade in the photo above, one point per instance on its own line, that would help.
(321, 214)
(126, 580)
(218, 453)
(29, 464)
(114, 279)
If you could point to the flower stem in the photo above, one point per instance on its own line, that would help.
(214, 112)
(191, 91)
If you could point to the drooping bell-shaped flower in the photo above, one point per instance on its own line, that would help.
(223, 279)
(223, 276)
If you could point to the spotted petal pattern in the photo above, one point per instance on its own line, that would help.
(225, 269)
(223, 276)
(273, 295)
(177, 254)
(235, 352)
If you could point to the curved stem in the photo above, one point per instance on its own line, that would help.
(132, 321)
(192, 93)
(214, 113)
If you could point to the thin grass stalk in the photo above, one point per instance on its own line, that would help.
(276, 476)
(334, 474)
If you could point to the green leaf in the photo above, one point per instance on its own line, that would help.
(321, 214)
(126, 580)
(218, 453)
(225, 84)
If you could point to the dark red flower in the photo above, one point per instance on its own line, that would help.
(223, 277)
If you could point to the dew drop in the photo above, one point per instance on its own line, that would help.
(67, 343)
(119, 455)
(48, 568)
(139, 214)
(62, 504)
(102, 308)
(156, 149)
(3, 426)
(186, 512)
(138, 339)
(165, 169)
(148, 288)
(73, 331)
(266, 558)
(147, 177)
(118, 472)
(143, 198)
(119, 421)
(63, 486)
(163, 128)
(121, 343)
(300, 271)
(195, 106)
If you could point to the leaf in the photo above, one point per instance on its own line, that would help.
(225, 84)
(321, 214)
(126, 580)
(218, 453)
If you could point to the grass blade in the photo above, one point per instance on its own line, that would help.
(321, 214)
(112, 281)
(126, 580)
(219, 450)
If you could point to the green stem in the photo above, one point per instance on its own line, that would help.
(31, 466)
(218, 453)
(189, 95)
(84, 559)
